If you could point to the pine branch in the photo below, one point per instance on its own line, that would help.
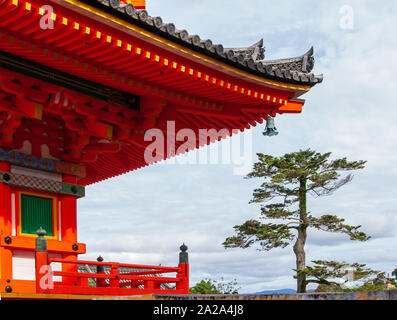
(268, 235)
(331, 223)
(277, 211)
(323, 186)
(335, 274)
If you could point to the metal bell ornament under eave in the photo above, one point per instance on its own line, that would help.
(271, 129)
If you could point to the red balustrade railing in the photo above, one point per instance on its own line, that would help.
(110, 278)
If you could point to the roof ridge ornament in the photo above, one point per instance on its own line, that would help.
(308, 60)
(255, 51)
(303, 63)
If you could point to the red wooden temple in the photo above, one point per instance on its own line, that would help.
(81, 83)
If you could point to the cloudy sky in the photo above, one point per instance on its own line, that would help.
(144, 216)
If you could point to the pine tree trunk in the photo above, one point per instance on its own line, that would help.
(299, 247)
(299, 250)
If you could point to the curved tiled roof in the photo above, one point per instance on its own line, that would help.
(293, 70)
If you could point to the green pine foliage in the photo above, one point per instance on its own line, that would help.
(333, 276)
(284, 218)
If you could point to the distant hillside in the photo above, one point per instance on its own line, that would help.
(282, 291)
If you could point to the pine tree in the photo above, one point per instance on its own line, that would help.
(283, 198)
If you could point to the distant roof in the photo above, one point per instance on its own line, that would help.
(251, 59)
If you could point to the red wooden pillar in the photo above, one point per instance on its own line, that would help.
(183, 274)
(156, 285)
(149, 285)
(69, 228)
(5, 231)
(114, 273)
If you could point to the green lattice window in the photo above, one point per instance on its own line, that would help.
(36, 212)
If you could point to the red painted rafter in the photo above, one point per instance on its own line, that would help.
(201, 98)
(112, 49)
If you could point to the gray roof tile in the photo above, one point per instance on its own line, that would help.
(250, 59)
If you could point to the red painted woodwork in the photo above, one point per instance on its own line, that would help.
(172, 86)
(5, 226)
(95, 139)
(28, 243)
(107, 139)
(117, 281)
(41, 260)
(11, 240)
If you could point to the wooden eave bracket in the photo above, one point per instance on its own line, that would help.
(292, 106)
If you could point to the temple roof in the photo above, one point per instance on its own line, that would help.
(251, 59)
(83, 94)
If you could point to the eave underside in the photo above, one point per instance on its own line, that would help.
(101, 139)
(104, 137)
